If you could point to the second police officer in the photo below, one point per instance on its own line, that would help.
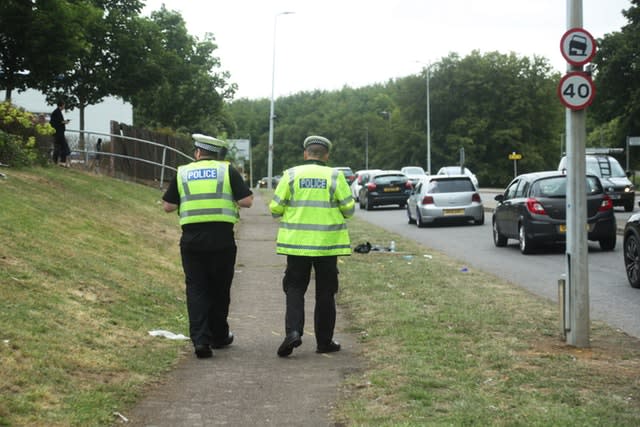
(312, 201)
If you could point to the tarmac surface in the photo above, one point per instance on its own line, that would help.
(247, 383)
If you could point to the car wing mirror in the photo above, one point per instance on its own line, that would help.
(499, 198)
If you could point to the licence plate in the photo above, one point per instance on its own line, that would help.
(563, 228)
(390, 189)
(453, 212)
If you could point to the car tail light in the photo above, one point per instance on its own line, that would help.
(371, 186)
(606, 204)
(427, 200)
(535, 207)
(408, 185)
(476, 198)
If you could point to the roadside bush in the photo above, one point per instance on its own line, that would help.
(24, 138)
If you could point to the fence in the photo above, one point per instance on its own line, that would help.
(128, 157)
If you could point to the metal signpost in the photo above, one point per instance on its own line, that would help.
(515, 157)
(576, 92)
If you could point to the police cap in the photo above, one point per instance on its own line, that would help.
(315, 139)
(208, 143)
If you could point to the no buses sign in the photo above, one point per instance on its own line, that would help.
(576, 90)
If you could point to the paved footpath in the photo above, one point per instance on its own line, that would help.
(247, 384)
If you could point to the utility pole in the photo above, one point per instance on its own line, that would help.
(577, 322)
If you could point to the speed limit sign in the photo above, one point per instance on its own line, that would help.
(576, 90)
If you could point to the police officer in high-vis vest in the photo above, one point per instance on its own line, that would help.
(208, 194)
(312, 201)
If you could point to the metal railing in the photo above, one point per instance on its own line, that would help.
(87, 136)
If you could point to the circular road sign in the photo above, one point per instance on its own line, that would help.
(578, 46)
(576, 90)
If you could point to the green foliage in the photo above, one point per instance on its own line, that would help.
(189, 90)
(41, 37)
(24, 138)
(617, 80)
(490, 105)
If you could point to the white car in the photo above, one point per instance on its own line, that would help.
(361, 178)
(414, 173)
(457, 170)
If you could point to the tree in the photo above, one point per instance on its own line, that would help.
(34, 46)
(618, 78)
(93, 75)
(190, 91)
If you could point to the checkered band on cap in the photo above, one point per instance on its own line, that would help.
(208, 143)
(315, 139)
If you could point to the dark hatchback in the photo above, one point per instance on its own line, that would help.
(532, 210)
(385, 188)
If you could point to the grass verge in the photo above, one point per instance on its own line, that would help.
(89, 264)
(447, 345)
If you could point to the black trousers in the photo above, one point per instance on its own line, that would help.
(295, 284)
(60, 149)
(208, 277)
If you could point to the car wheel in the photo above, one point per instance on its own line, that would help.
(367, 204)
(361, 203)
(632, 259)
(608, 244)
(526, 245)
(419, 222)
(498, 239)
(410, 220)
(479, 221)
(628, 206)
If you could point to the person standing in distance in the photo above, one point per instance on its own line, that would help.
(60, 146)
(208, 194)
(312, 201)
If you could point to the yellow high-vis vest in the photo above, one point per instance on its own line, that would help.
(205, 193)
(313, 202)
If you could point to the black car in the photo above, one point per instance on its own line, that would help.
(631, 249)
(533, 211)
(385, 188)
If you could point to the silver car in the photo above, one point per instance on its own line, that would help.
(445, 198)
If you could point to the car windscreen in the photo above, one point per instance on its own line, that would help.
(457, 185)
(557, 187)
(414, 171)
(390, 179)
(605, 167)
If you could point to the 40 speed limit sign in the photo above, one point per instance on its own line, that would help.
(576, 90)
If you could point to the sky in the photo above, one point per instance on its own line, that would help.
(330, 44)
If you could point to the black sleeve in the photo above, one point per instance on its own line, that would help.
(56, 119)
(238, 186)
(172, 195)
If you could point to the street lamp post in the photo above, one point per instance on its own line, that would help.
(428, 122)
(366, 147)
(271, 110)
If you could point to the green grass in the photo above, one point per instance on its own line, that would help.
(445, 346)
(89, 264)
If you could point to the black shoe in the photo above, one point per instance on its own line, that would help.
(203, 351)
(331, 347)
(291, 341)
(225, 342)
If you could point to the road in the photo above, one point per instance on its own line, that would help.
(611, 298)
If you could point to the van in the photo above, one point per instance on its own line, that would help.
(613, 178)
